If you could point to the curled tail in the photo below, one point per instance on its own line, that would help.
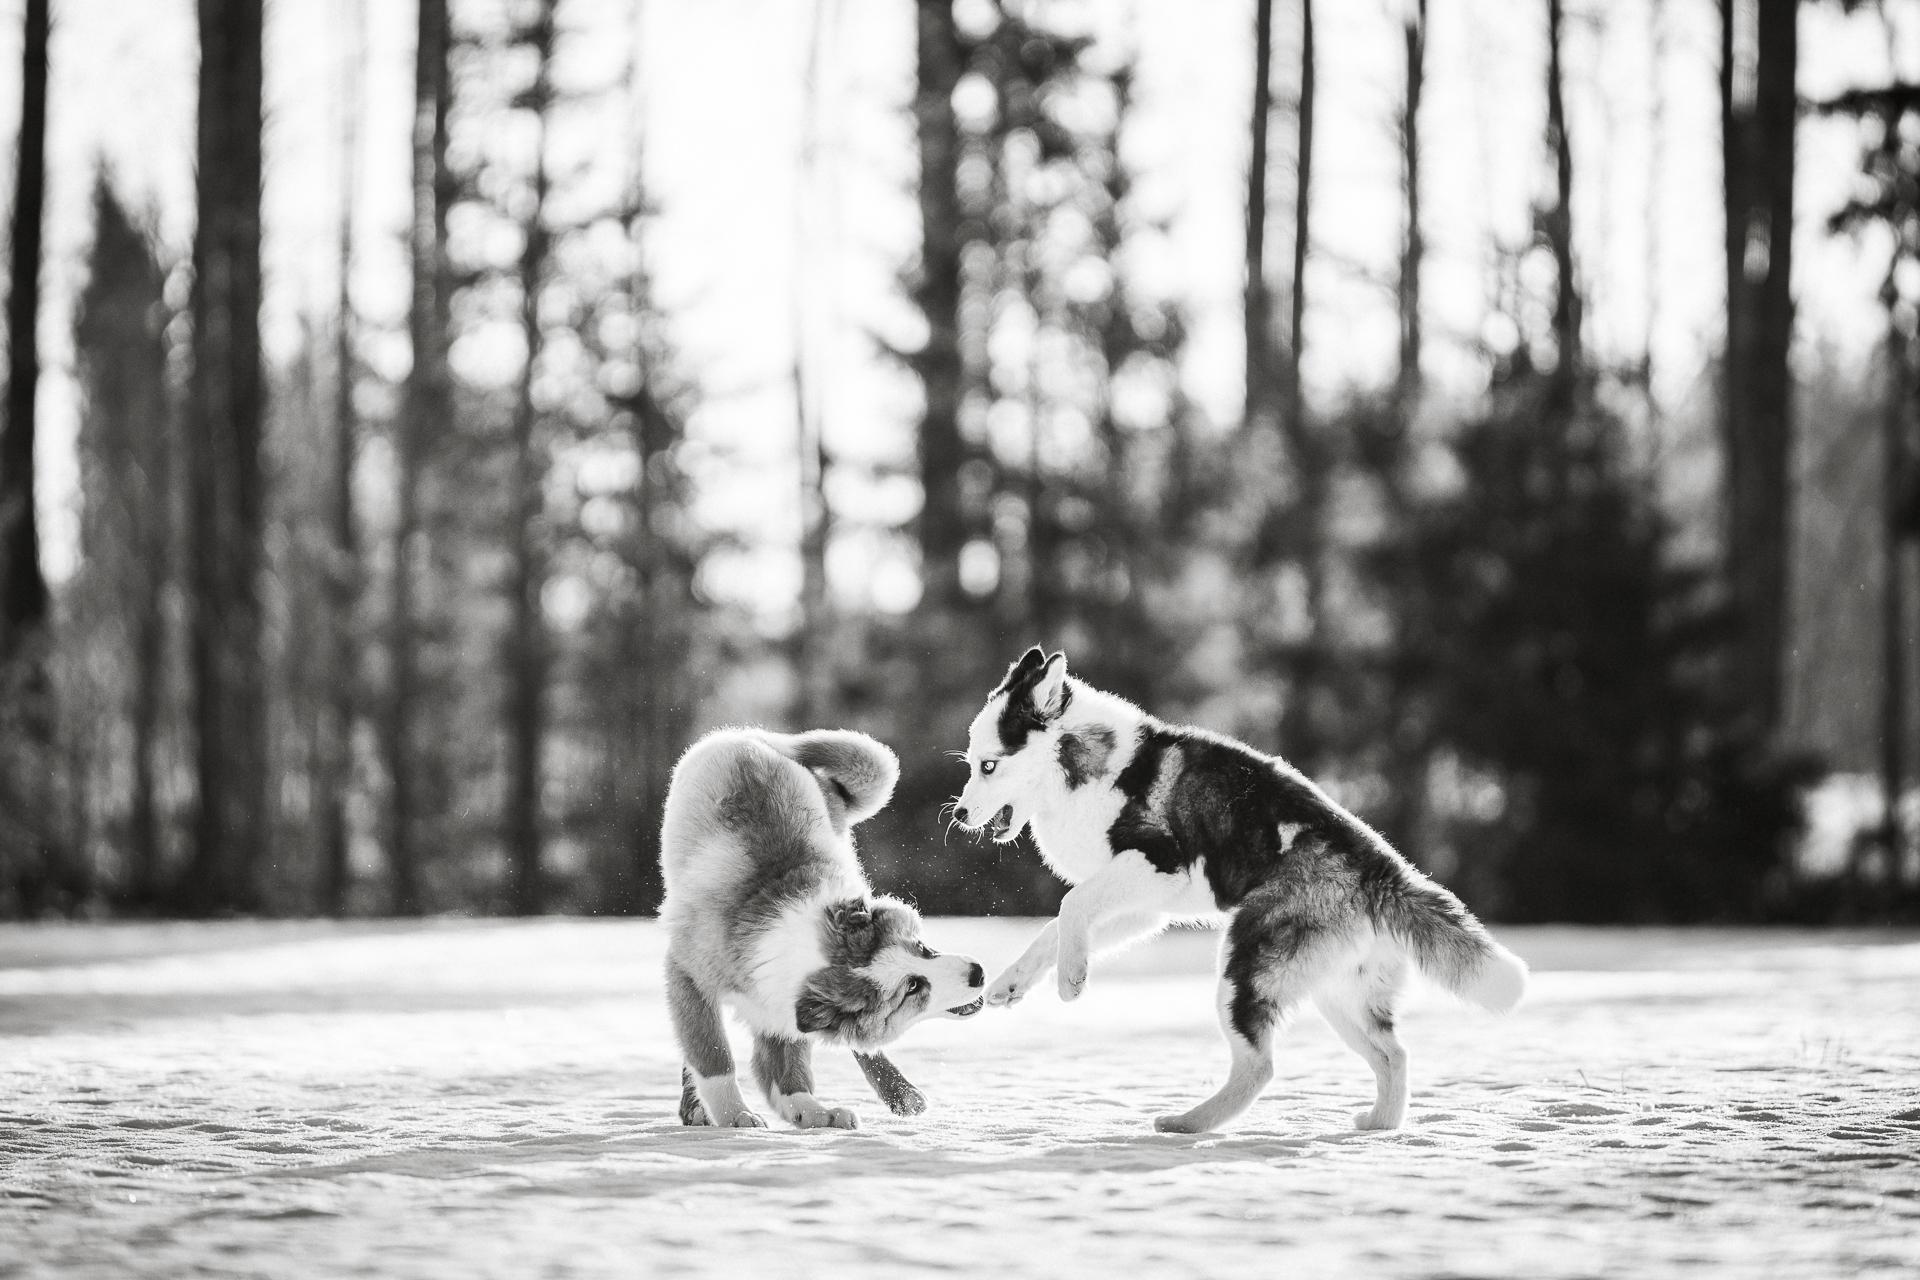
(1450, 946)
(855, 773)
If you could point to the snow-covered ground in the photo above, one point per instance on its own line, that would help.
(494, 1099)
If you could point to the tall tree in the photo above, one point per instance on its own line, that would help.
(1556, 221)
(335, 754)
(1759, 55)
(942, 523)
(128, 528)
(425, 415)
(28, 859)
(1257, 306)
(810, 643)
(225, 395)
(527, 657)
(23, 591)
(1412, 240)
(1304, 448)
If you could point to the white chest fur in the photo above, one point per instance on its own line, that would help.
(781, 959)
(1071, 832)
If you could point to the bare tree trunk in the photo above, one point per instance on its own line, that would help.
(809, 638)
(1257, 307)
(1656, 170)
(1413, 244)
(1759, 54)
(1558, 223)
(335, 752)
(23, 591)
(1893, 706)
(225, 395)
(426, 411)
(1298, 737)
(942, 524)
(29, 865)
(651, 432)
(527, 658)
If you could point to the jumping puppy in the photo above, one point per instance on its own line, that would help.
(1152, 823)
(767, 910)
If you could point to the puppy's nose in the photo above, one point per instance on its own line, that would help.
(976, 976)
(961, 813)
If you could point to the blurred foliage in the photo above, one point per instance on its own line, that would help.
(1518, 638)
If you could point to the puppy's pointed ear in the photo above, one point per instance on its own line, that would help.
(1050, 687)
(1023, 671)
(852, 935)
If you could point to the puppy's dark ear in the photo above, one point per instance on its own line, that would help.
(833, 997)
(852, 933)
(1049, 692)
(1022, 671)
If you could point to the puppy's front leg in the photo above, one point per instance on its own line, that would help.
(709, 1062)
(1125, 900)
(1021, 976)
(893, 1088)
(785, 1070)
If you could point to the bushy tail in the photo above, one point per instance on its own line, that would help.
(1451, 947)
(856, 773)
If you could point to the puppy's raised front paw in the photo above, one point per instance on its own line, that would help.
(905, 1101)
(1073, 976)
(1009, 988)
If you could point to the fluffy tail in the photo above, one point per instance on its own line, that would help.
(855, 773)
(1452, 947)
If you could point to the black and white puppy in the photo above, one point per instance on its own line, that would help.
(767, 911)
(1151, 823)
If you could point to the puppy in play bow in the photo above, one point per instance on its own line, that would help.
(767, 911)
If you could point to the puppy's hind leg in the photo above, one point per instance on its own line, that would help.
(709, 1062)
(1267, 970)
(691, 1112)
(785, 1071)
(1362, 1015)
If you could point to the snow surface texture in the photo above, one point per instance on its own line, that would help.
(492, 1099)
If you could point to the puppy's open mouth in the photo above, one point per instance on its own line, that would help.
(967, 1010)
(1001, 824)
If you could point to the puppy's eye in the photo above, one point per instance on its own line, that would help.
(988, 766)
(916, 985)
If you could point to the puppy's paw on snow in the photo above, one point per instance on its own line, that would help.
(1178, 1124)
(746, 1120)
(1370, 1121)
(905, 1101)
(804, 1111)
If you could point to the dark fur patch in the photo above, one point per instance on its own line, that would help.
(1262, 938)
(856, 930)
(835, 1001)
(1026, 668)
(1022, 716)
(893, 1088)
(1084, 755)
(782, 1066)
(691, 1112)
(697, 1025)
(1228, 805)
